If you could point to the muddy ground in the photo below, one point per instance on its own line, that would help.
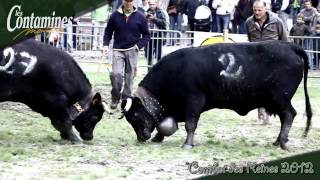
(30, 148)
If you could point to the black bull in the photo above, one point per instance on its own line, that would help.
(240, 77)
(50, 82)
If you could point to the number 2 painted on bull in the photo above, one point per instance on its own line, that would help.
(6, 52)
(28, 65)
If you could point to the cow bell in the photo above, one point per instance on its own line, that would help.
(167, 126)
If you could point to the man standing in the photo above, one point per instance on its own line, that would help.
(264, 25)
(156, 21)
(130, 31)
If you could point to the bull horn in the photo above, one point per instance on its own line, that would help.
(105, 106)
(128, 105)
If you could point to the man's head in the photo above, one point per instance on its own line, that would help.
(128, 5)
(308, 5)
(144, 2)
(153, 4)
(260, 10)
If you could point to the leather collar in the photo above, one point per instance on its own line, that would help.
(80, 106)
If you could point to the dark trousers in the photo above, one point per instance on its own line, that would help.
(154, 49)
(191, 25)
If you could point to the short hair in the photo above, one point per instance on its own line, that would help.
(307, 1)
(263, 1)
(300, 16)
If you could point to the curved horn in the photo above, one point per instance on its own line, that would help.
(128, 105)
(105, 106)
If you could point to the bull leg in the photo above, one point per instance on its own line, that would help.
(65, 129)
(158, 138)
(194, 107)
(60, 118)
(286, 118)
(191, 126)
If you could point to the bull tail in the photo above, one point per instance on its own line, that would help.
(304, 55)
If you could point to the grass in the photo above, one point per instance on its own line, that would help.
(30, 148)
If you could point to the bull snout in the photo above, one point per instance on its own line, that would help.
(144, 137)
(87, 136)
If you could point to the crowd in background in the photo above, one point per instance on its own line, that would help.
(300, 18)
(232, 14)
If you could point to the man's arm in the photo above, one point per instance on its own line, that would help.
(247, 26)
(108, 32)
(283, 34)
(160, 21)
(144, 31)
(107, 35)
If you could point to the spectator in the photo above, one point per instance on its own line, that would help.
(315, 19)
(315, 29)
(268, 4)
(175, 17)
(99, 17)
(233, 18)
(189, 8)
(296, 7)
(316, 45)
(54, 37)
(264, 25)
(144, 7)
(300, 29)
(156, 20)
(213, 17)
(282, 8)
(308, 12)
(223, 11)
(242, 13)
(162, 4)
(130, 31)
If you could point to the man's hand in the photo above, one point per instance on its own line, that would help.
(105, 50)
(151, 17)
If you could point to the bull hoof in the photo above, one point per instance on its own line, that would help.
(276, 143)
(187, 146)
(284, 147)
(73, 139)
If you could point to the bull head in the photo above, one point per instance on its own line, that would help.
(87, 120)
(145, 115)
(140, 118)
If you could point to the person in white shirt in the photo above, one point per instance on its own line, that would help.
(223, 11)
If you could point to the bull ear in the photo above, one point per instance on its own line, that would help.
(96, 99)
